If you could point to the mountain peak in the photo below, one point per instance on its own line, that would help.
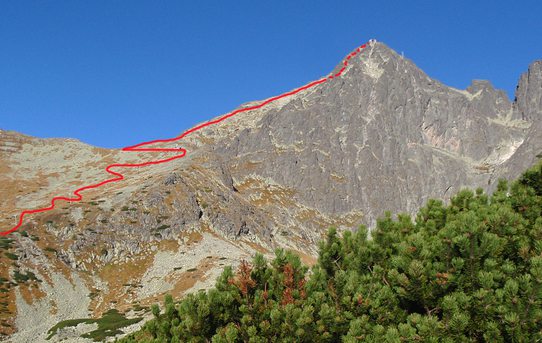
(377, 52)
(371, 55)
(377, 62)
(382, 49)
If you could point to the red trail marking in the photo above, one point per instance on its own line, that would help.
(181, 151)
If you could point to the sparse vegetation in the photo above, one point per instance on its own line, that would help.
(161, 227)
(5, 243)
(11, 256)
(49, 249)
(19, 277)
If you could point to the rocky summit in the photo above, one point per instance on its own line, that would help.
(381, 136)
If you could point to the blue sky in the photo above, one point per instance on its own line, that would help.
(115, 73)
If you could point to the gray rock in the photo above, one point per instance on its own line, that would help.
(385, 136)
(529, 93)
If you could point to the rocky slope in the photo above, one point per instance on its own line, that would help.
(382, 136)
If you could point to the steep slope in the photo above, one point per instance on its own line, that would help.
(382, 136)
(528, 104)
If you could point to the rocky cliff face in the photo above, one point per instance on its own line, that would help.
(382, 136)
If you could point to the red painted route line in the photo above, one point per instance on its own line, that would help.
(138, 147)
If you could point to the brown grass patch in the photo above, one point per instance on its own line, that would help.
(168, 245)
(264, 194)
(484, 168)
(192, 237)
(186, 280)
(307, 259)
(31, 292)
(118, 275)
(53, 307)
(313, 216)
(247, 165)
(256, 247)
(205, 140)
(9, 297)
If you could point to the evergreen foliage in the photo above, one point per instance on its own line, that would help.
(470, 271)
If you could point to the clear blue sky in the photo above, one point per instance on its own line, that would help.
(114, 73)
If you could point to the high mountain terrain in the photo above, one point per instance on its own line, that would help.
(382, 136)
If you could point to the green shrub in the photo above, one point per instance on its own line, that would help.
(11, 256)
(161, 227)
(22, 278)
(108, 325)
(5, 243)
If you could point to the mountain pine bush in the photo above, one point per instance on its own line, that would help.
(470, 271)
